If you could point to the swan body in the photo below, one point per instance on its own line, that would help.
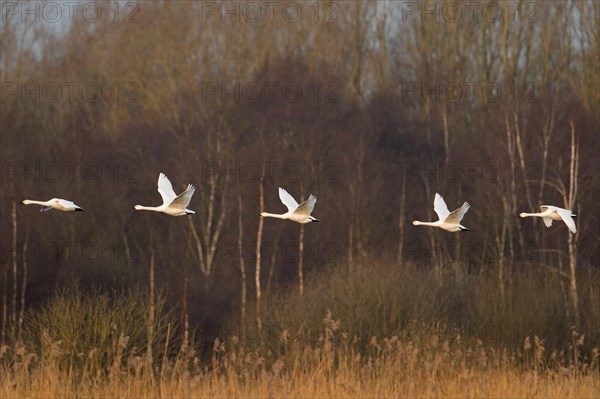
(299, 213)
(550, 213)
(173, 204)
(449, 221)
(55, 203)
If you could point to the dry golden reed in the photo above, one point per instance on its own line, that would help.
(334, 366)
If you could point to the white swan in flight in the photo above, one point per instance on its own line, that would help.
(297, 213)
(550, 213)
(173, 204)
(55, 203)
(449, 221)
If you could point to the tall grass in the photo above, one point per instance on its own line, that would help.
(384, 299)
(382, 331)
(93, 330)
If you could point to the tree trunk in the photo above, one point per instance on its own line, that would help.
(24, 280)
(446, 138)
(149, 355)
(244, 293)
(13, 318)
(402, 220)
(572, 241)
(184, 305)
(273, 260)
(300, 260)
(350, 245)
(258, 246)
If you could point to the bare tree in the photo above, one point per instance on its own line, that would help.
(15, 269)
(569, 201)
(259, 246)
(151, 306)
(24, 279)
(206, 247)
(301, 251)
(244, 293)
(185, 309)
(402, 218)
(4, 301)
(569, 196)
(273, 259)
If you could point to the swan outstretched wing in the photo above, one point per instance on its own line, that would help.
(566, 217)
(545, 208)
(183, 199)
(440, 207)
(287, 200)
(547, 221)
(67, 204)
(165, 189)
(457, 215)
(307, 206)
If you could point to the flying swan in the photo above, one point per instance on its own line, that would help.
(174, 205)
(448, 221)
(550, 213)
(297, 213)
(55, 203)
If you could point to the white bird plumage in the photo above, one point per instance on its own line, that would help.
(55, 203)
(299, 213)
(173, 204)
(550, 213)
(449, 221)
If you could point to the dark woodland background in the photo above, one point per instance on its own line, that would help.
(368, 107)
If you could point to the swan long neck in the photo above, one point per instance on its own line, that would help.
(147, 208)
(418, 223)
(525, 214)
(33, 202)
(273, 215)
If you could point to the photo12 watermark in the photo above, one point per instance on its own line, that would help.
(467, 92)
(229, 252)
(524, 12)
(71, 92)
(294, 332)
(270, 172)
(254, 12)
(54, 12)
(70, 252)
(70, 172)
(467, 331)
(454, 172)
(269, 92)
(466, 253)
